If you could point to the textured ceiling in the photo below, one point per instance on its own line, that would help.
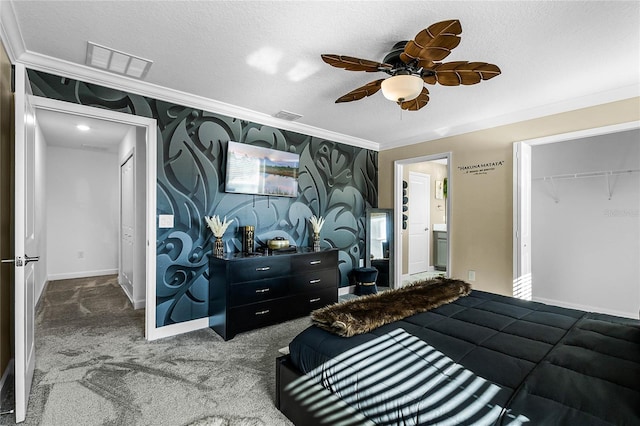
(264, 56)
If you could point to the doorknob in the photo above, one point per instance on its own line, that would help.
(28, 259)
(426, 229)
(21, 262)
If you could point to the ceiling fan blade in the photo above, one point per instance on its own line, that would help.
(465, 73)
(361, 92)
(433, 43)
(430, 79)
(350, 63)
(417, 103)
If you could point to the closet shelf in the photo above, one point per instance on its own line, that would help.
(587, 174)
(607, 174)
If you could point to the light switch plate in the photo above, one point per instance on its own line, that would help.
(165, 221)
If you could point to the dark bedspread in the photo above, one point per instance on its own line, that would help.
(552, 365)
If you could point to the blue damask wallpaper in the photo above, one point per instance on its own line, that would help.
(336, 181)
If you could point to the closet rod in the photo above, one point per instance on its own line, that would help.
(587, 174)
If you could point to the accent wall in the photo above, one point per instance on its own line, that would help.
(336, 181)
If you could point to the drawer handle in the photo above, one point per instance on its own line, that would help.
(266, 311)
(263, 290)
(314, 281)
(264, 268)
(317, 299)
(315, 262)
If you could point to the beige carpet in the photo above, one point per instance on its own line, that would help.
(95, 368)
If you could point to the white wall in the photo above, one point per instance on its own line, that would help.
(82, 213)
(585, 247)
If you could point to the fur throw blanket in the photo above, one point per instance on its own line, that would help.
(365, 313)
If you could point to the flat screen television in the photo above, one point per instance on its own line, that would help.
(262, 171)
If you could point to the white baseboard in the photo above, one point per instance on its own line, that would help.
(137, 304)
(586, 308)
(83, 274)
(346, 290)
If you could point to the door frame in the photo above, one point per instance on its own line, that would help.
(151, 331)
(519, 198)
(398, 167)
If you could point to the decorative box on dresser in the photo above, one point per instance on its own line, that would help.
(248, 292)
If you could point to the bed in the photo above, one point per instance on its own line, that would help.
(480, 359)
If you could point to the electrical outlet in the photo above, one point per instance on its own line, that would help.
(472, 275)
(80, 255)
(165, 221)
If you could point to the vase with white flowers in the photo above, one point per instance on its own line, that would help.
(218, 227)
(316, 225)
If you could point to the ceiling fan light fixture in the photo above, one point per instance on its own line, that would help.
(402, 88)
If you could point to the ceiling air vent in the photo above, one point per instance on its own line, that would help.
(116, 61)
(286, 115)
(94, 147)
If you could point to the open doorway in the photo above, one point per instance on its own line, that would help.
(575, 214)
(131, 142)
(422, 210)
(80, 162)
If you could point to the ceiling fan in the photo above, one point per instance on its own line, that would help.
(413, 63)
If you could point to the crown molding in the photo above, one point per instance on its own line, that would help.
(10, 31)
(87, 74)
(618, 94)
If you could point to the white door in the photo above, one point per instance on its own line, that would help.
(522, 283)
(25, 243)
(127, 226)
(419, 219)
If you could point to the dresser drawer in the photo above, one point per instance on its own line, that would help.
(257, 291)
(316, 299)
(312, 261)
(258, 268)
(256, 315)
(315, 280)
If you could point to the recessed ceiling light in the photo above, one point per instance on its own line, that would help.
(115, 61)
(83, 127)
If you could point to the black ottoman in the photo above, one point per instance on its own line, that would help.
(365, 279)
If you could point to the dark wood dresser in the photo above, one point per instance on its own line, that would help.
(247, 292)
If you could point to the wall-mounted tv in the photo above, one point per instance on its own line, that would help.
(263, 171)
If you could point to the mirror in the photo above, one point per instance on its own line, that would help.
(379, 250)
